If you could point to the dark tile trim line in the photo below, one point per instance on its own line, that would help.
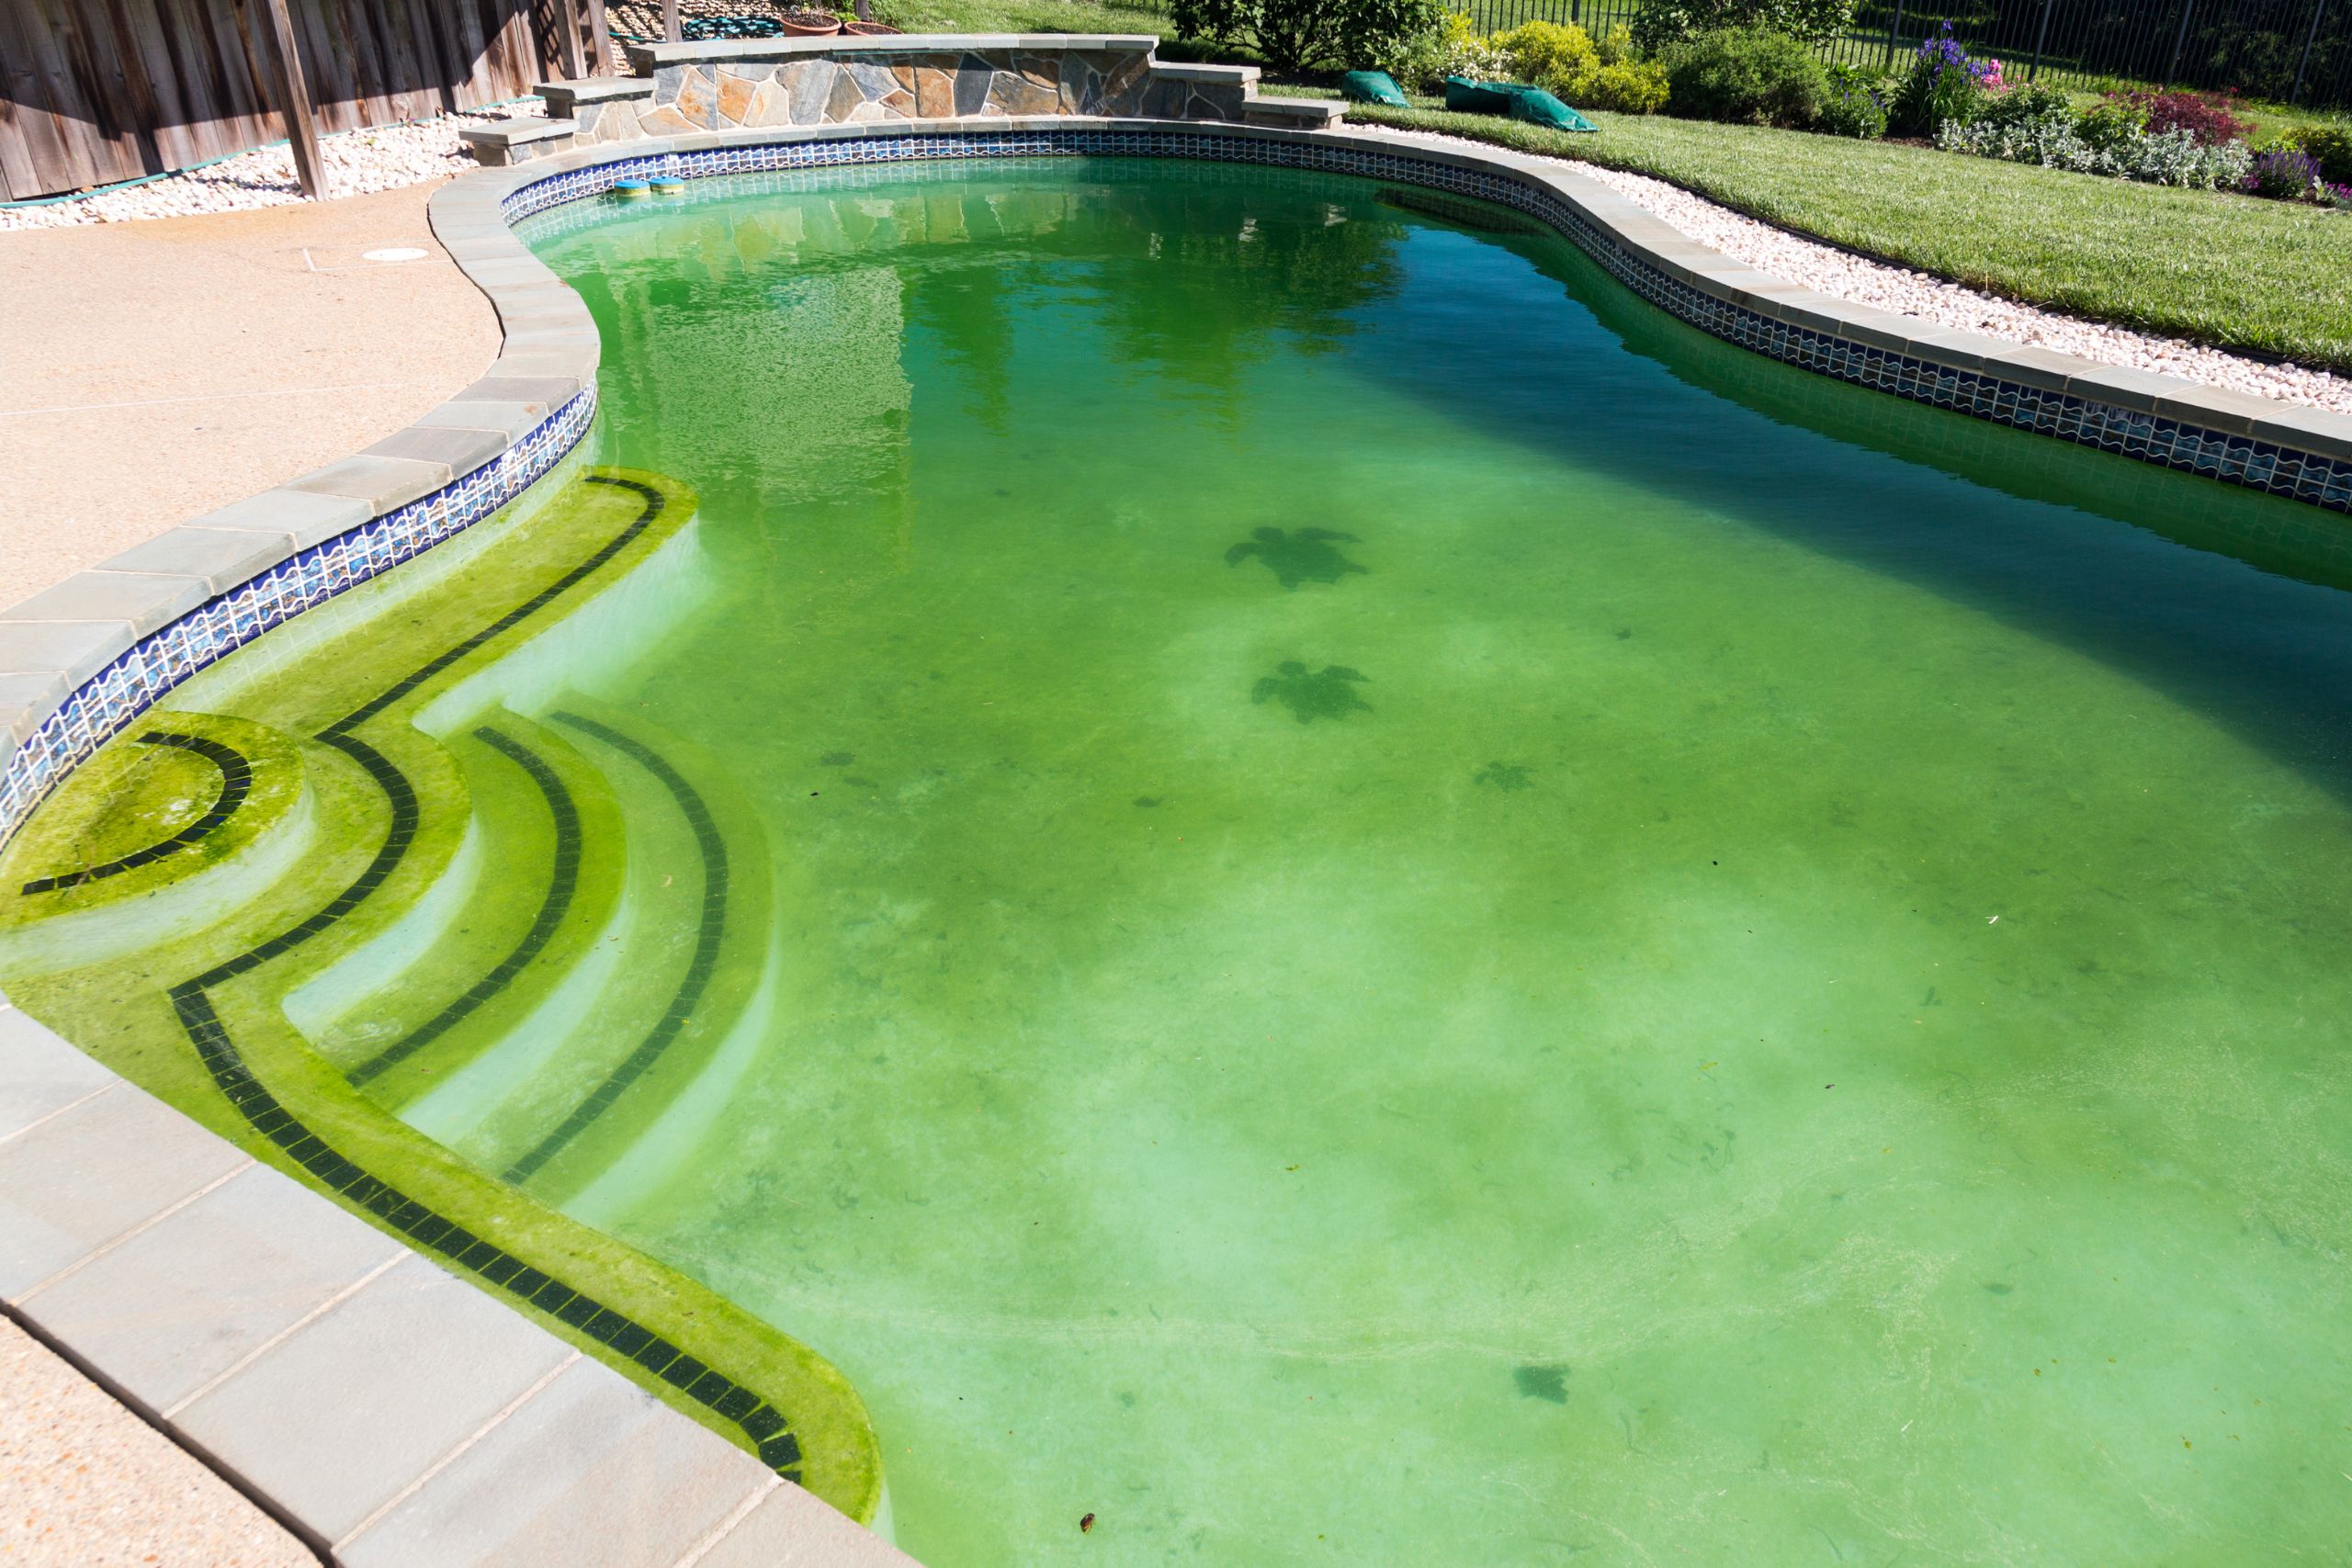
(767, 1427)
(2166, 441)
(710, 932)
(236, 783)
(563, 881)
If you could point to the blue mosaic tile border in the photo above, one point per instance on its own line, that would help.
(2169, 443)
(102, 706)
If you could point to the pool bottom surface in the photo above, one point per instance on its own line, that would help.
(1385, 911)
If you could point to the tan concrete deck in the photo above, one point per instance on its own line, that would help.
(152, 371)
(84, 1484)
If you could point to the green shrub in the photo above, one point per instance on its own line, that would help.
(1545, 53)
(2110, 124)
(1854, 104)
(2330, 143)
(1745, 76)
(1659, 23)
(1303, 35)
(1628, 86)
(1567, 63)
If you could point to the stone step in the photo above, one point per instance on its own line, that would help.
(1302, 114)
(513, 141)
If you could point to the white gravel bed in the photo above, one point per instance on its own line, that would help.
(1829, 270)
(357, 162)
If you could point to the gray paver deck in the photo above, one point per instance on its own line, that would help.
(336, 1418)
(591, 1469)
(73, 1182)
(186, 1299)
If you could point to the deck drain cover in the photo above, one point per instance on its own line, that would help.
(393, 253)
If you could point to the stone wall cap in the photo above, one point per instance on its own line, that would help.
(647, 58)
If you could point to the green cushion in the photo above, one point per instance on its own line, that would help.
(1373, 87)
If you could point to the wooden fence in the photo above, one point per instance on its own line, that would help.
(94, 91)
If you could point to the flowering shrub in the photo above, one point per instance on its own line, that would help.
(2282, 175)
(1453, 48)
(1946, 86)
(2211, 123)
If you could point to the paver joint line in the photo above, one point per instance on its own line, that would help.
(445, 1461)
(725, 1526)
(283, 1335)
(150, 1223)
(51, 1116)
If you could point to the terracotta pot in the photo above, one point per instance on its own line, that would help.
(798, 24)
(868, 29)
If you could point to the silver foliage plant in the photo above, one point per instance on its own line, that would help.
(2168, 158)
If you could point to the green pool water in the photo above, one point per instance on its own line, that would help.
(1386, 909)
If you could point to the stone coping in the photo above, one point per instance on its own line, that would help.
(646, 58)
(162, 1258)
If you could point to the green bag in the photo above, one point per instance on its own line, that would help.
(1539, 107)
(1373, 87)
(1466, 96)
(1513, 98)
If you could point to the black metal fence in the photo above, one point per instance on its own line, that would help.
(2294, 52)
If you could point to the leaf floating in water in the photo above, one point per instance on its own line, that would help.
(1085, 1523)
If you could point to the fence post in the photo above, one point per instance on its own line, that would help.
(2188, 9)
(294, 102)
(671, 31)
(1894, 33)
(2041, 37)
(2319, 9)
(600, 30)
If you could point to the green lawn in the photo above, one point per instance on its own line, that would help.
(2271, 277)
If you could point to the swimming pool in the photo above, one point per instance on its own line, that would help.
(1297, 878)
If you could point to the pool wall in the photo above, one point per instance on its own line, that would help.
(89, 1165)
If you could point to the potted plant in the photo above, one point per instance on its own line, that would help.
(810, 24)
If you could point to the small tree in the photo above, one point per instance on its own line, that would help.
(1291, 36)
(1661, 22)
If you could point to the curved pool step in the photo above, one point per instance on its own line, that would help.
(692, 956)
(546, 838)
(188, 819)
